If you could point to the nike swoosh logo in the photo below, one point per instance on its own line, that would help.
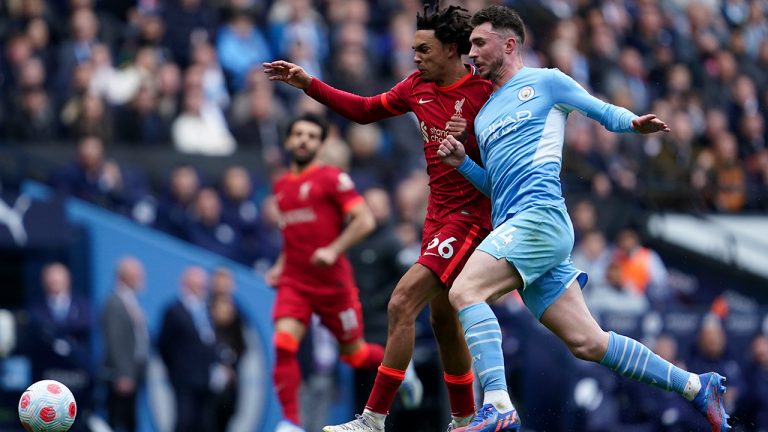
(423, 101)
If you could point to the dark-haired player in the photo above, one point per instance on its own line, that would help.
(520, 131)
(312, 274)
(445, 94)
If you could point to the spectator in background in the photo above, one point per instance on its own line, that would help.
(269, 235)
(99, 180)
(240, 211)
(168, 92)
(229, 325)
(126, 344)
(62, 320)
(34, 122)
(213, 82)
(78, 48)
(139, 122)
(719, 175)
(755, 402)
(191, 20)
(208, 230)
(200, 129)
(641, 267)
(89, 116)
(711, 351)
(187, 345)
(613, 295)
(18, 51)
(593, 255)
(176, 204)
(369, 165)
(241, 46)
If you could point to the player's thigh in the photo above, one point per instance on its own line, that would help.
(541, 294)
(341, 313)
(569, 318)
(292, 311)
(483, 278)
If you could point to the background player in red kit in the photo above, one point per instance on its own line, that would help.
(445, 94)
(312, 274)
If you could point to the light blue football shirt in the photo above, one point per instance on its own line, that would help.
(520, 132)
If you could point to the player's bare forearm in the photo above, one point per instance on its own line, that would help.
(281, 70)
(361, 224)
(273, 274)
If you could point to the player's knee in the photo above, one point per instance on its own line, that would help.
(400, 308)
(358, 357)
(286, 342)
(585, 347)
(443, 319)
(461, 298)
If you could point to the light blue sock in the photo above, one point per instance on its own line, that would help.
(483, 336)
(634, 360)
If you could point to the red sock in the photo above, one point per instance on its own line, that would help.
(460, 394)
(385, 387)
(368, 356)
(287, 375)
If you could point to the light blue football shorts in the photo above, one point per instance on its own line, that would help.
(538, 243)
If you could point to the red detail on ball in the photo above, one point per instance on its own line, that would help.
(72, 409)
(47, 414)
(54, 388)
(27, 427)
(24, 402)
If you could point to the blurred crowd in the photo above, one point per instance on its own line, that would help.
(185, 75)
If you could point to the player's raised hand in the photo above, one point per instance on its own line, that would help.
(451, 151)
(290, 73)
(324, 257)
(457, 127)
(649, 123)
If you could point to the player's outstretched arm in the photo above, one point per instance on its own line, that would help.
(361, 223)
(649, 123)
(281, 70)
(357, 108)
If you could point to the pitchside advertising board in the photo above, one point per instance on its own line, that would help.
(27, 223)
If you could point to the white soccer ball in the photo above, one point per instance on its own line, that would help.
(47, 406)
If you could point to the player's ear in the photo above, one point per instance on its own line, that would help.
(510, 45)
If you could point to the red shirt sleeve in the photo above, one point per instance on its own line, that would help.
(361, 109)
(342, 190)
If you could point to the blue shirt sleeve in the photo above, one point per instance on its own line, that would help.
(476, 175)
(571, 95)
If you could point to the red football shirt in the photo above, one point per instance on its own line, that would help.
(312, 209)
(433, 106)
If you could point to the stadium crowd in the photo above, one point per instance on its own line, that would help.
(185, 75)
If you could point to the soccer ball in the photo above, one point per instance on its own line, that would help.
(47, 406)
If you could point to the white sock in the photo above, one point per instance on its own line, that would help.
(499, 399)
(692, 387)
(462, 421)
(375, 418)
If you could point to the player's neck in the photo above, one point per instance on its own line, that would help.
(456, 73)
(299, 169)
(506, 73)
